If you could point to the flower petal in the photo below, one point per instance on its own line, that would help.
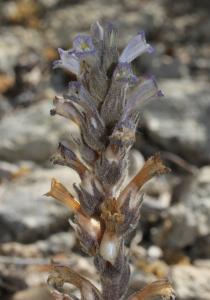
(68, 61)
(110, 52)
(83, 43)
(145, 91)
(135, 47)
(97, 31)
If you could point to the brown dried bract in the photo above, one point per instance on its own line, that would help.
(60, 193)
(62, 274)
(153, 166)
(160, 288)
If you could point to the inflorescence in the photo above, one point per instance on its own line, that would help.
(105, 103)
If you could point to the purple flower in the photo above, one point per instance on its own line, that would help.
(83, 49)
(136, 46)
(83, 43)
(67, 61)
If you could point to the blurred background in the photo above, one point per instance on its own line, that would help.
(173, 236)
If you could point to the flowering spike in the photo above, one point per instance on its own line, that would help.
(105, 103)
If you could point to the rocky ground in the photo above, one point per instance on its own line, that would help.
(173, 237)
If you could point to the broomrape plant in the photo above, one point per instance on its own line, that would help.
(105, 103)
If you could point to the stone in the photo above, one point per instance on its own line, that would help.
(60, 35)
(34, 293)
(163, 66)
(61, 242)
(7, 170)
(139, 279)
(10, 55)
(49, 3)
(31, 134)
(179, 122)
(26, 215)
(154, 252)
(201, 248)
(5, 106)
(57, 243)
(188, 219)
(191, 282)
(11, 171)
(126, 15)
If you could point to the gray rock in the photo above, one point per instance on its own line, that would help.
(180, 122)
(201, 248)
(11, 48)
(60, 35)
(134, 17)
(139, 279)
(31, 134)
(191, 282)
(163, 66)
(5, 106)
(189, 218)
(126, 14)
(33, 293)
(7, 170)
(202, 263)
(49, 3)
(25, 214)
(57, 243)
(10, 171)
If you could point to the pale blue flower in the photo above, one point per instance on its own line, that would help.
(136, 46)
(68, 61)
(83, 43)
(83, 49)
